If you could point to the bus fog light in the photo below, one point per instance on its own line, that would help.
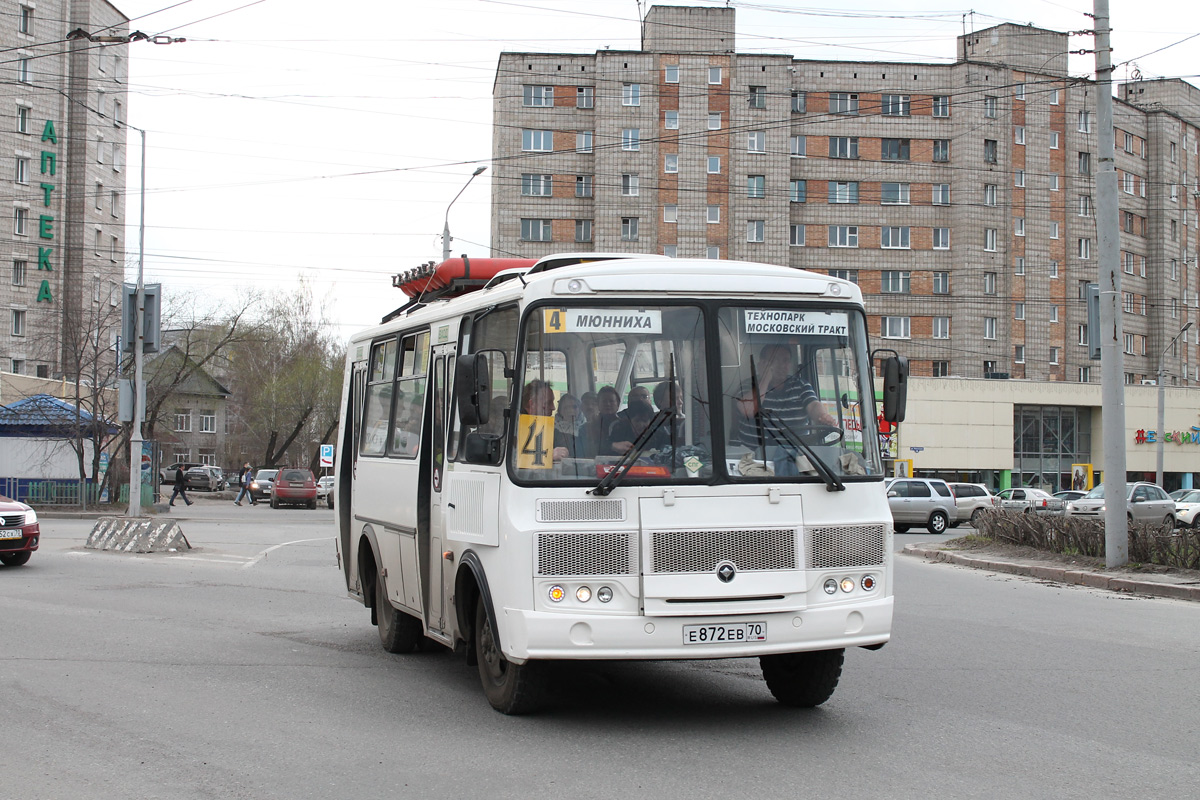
(604, 594)
(830, 586)
(583, 594)
(847, 584)
(557, 593)
(867, 582)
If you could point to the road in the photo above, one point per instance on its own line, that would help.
(241, 670)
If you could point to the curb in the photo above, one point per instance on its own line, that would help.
(1095, 580)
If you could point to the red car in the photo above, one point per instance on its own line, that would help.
(19, 532)
(295, 486)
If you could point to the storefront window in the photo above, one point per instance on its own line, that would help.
(1047, 440)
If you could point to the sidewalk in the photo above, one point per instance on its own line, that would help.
(1177, 584)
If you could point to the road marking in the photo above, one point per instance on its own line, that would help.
(260, 556)
(225, 560)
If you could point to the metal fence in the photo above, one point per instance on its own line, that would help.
(67, 492)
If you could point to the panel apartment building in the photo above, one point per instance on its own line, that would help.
(62, 142)
(959, 196)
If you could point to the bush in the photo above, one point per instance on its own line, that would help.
(1148, 544)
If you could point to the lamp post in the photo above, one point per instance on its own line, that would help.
(446, 227)
(135, 436)
(1162, 411)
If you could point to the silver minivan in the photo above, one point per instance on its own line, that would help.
(916, 502)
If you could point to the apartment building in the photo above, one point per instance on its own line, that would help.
(959, 196)
(62, 107)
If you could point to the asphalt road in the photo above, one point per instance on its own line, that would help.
(241, 670)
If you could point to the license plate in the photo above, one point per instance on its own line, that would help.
(728, 633)
(9, 533)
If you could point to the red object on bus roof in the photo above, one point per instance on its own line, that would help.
(430, 278)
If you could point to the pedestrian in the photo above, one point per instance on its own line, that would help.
(180, 487)
(245, 478)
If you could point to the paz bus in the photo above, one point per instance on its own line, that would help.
(585, 458)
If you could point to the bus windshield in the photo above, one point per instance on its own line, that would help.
(602, 384)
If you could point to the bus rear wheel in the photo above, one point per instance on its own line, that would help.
(510, 688)
(398, 632)
(803, 680)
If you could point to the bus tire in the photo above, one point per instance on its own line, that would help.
(398, 632)
(510, 688)
(803, 680)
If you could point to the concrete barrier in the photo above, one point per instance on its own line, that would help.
(137, 535)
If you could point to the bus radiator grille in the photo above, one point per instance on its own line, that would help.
(574, 554)
(846, 546)
(581, 510)
(701, 551)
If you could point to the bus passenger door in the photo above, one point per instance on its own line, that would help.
(435, 571)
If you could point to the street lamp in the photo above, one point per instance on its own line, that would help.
(139, 411)
(446, 227)
(1158, 471)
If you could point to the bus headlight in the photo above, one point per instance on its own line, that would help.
(831, 586)
(583, 594)
(604, 594)
(557, 593)
(847, 584)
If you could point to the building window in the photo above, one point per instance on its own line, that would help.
(208, 421)
(799, 146)
(583, 230)
(583, 141)
(23, 70)
(712, 252)
(1019, 178)
(1019, 354)
(1085, 205)
(714, 165)
(99, 193)
(989, 239)
(894, 237)
(843, 147)
(671, 250)
(671, 120)
(756, 186)
(537, 141)
(23, 119)
(1019, 91)
(796, 235)
(941, 283)
(671, 214)
(1085, 374)
(989, 151)
(1019, 265)
(941, 327)
(536, 185)
(845, 192)
(20, 221)
(714, 122)
(1053, 140)
(583, 185)
(799, 102)
(989, 107)
(894, 149)
(671, 163)
(1018, 311)
(893, 194)
(585, 97)
(631, 139)
(714, 76)
(894, 327)
(713, 215)
(756, 230)
(631, 94)
(845, 274)
(1053, 230)
(671, 73)
(941, 194)
(1019, 134)
(18, 272)
(629, 229)
(941, 239)
(756, 142)
(941, 105)
(894, 282)
(535, 230)
(1085, 249)
(113, 249)
(941, 369)
(183, 420)
(1053, 181)
(989, 194)
(1085, 163)
(843, 103)
(18, 322)
(798, 191)
(758, 97)
(1019, 226)
(1054, 351)
(1085, 122)
(989, 283)
(1054, 274)
(25, 20)
(629, 185)
(989, 327)
(843, 236)
(896, 105)
(941, 149)
(22, 170)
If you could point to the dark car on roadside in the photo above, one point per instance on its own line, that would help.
(167, 473)
(260, 487)
(294, 487)
(206, 478)
(19, 532)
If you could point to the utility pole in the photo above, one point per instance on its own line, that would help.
(446, 227)
(1112, 366)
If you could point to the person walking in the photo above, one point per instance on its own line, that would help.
(245, 478)
(180, 487)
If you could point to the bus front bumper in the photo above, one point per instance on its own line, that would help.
(541, 635)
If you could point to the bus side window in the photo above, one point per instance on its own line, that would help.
(378, 399)
(495, 331)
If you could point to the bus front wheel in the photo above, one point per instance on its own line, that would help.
(803, 680)
(398, 632)
(510, 688)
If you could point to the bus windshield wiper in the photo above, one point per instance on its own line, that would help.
(778, 426)
(609, 481)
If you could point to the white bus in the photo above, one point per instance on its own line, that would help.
(640, 458)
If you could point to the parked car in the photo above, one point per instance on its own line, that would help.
(1067, 495)
(1187, 508)
(324, 486)
(927, 502)
(206, 478)
(1144, 502)
(167, 473)
(1178, 493)
(294, 487)
(261, 486)
(1031, 501)
(972, 500)
(19, 532)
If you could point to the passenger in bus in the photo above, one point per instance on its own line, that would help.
(375, 430)
(537, 399)
(407, 436)
(589, 406)
(594, 436)
(629, 427)
(567, 422)
(784, 393)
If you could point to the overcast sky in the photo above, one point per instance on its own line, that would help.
(294, 137)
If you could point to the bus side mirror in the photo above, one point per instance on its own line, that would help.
(473, 389)
(895, 388)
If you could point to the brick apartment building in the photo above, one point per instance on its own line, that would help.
(959, 196)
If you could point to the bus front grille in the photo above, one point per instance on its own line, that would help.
(702, 551)
(577, 554)
(841, 546)
(606, 510)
